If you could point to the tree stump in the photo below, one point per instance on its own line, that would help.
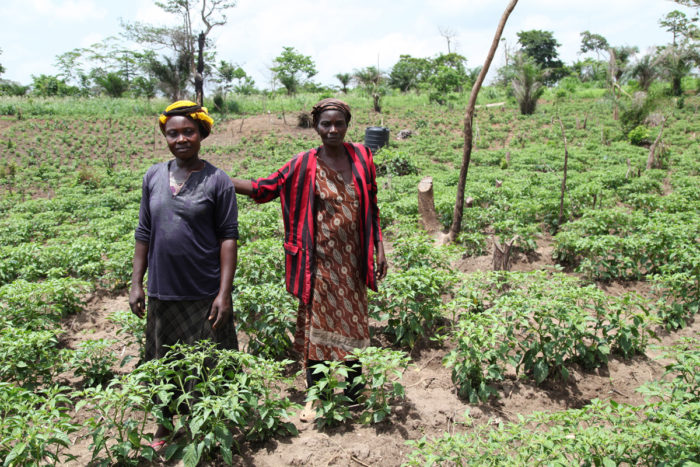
(501, 254)
(426, 206)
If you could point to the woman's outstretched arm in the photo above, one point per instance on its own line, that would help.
(243, 187)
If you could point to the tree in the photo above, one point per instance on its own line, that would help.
(2, 68)
(527, 83)
(409, 73)
(541, 46)
(680, 26)
(468, 126)
(344, 79)
(172, 75)
(113, 84)
(449, 36)
(292, 69)
(593, 43)
(51, 86)
(371, 80)
(677, 62)
(645, 70)
(181, 41)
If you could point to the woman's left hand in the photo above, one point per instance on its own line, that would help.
(221, 308)
(382, 266)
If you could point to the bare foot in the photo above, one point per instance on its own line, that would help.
(309, 412)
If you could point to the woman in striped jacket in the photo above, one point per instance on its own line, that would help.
(332, 240)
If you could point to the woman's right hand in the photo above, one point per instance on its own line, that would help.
(137, 300)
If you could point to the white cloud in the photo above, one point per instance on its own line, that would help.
(69, 10)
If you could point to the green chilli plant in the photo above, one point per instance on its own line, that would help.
(133, 330)
(382, 370)
(218, 396)
(93, 361)
(35, 425)
(410, 302)
(328, 393)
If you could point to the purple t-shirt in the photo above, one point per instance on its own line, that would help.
(183, 231)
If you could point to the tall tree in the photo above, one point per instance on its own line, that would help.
(541, 46)
(527, 83)
(292, 69)
(371, 79)
(680, 26)
(2, 68)
(409, 72)
(198, 18)
(458, 212)
(344, 79)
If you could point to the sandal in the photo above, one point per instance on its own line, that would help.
(158, 445)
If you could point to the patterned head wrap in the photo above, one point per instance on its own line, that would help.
(188, 109)
(330, 104)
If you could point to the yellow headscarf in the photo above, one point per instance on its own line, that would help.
(188, 109)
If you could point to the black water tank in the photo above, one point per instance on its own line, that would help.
(376, 137)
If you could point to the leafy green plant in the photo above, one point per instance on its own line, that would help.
(410, 302)
(29, 357)
(41, 304)
(327, 393)
(481, 354)
(266, 313)
(93, 361)
(35, 425)
(218, 393)
(118, 414)
(639, 136)
(133, 329)
(381, 371)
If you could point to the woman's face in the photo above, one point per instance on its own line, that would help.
(331, 127)
(183, 137)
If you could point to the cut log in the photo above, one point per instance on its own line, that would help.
(426, 206)
(501, 254)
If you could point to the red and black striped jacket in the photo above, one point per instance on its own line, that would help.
(294, 183)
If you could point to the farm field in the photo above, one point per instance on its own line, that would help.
(585, 351)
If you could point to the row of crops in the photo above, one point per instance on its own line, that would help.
(71, 190)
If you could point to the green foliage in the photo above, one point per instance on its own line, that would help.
(539, 324)
(410, 303)
(28, 357)
(662, 430)
(527, 84)
(328, 393)
(133, 332)
(394, 164)
(217, 396)
(93, 361)
(639, 136)
(381, 371)
(292, 69)
(35, 425)
(41, 304)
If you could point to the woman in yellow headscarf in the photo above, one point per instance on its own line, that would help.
(186, 237)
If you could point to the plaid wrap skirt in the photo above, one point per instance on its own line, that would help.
(186, 321)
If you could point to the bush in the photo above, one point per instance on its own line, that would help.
(639, 136)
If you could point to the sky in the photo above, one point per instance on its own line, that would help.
(339, 36)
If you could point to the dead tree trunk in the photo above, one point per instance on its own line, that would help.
(468, 121)
(426, 206)
(501, 254)
(563, 180)
(652, 162)
(199, 76)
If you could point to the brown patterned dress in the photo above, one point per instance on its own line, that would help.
(336, 320)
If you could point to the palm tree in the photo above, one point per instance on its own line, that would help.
(344, 79)
(371, 80)
(645, 71)
(527, 84)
